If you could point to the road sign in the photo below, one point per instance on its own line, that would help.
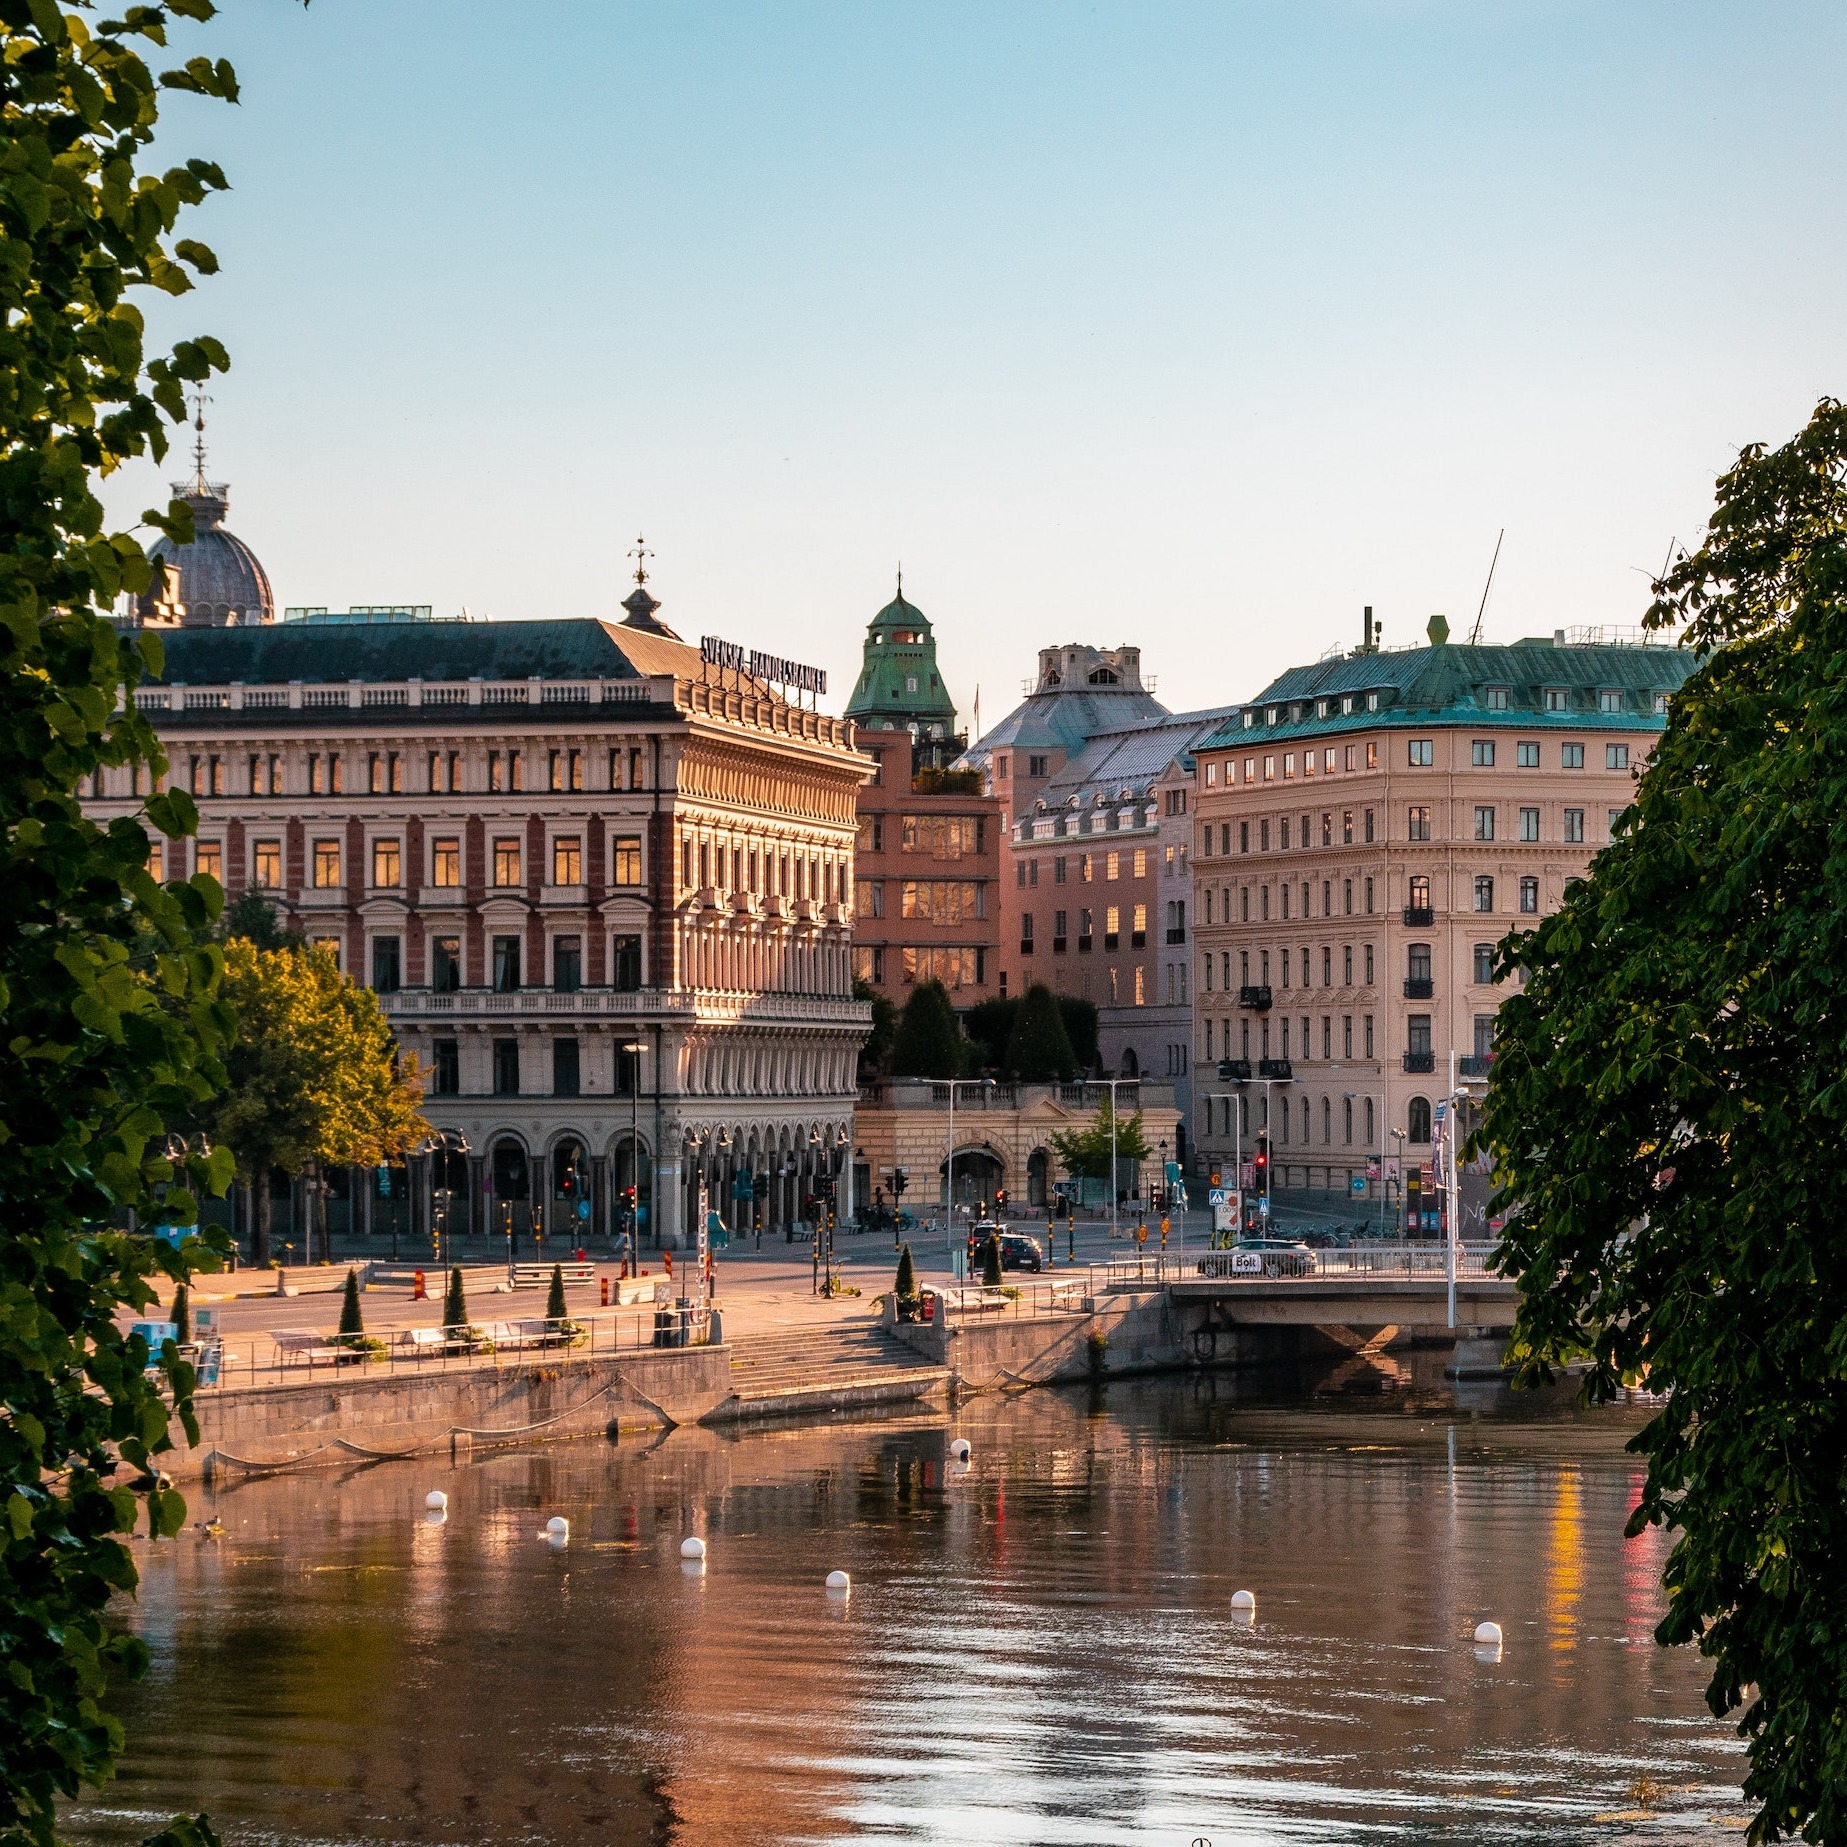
(1263, 1206)
(583, 1208)
(1355, 1184)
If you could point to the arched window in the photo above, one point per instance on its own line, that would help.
(1420, 893)
(1348, 1123)
(1308, 1121)
(1369, 1124)
(1131, 1065)
(1417, 1121)
(1327, 1119)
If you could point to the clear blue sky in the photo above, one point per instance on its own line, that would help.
(1194, 326)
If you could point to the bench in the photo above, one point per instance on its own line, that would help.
(537, 1275)
(304, 1344)
(505, 1336)
(421, 1341)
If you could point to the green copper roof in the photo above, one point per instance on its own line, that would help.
(899, 683)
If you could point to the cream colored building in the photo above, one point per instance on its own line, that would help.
(1367, 829)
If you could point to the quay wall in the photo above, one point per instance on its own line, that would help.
(340, 1417)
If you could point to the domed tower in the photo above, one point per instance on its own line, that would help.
(899, 687)
(217, 580)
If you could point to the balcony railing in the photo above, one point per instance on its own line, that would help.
(438, 1008)
(1255, 999)
(1275, 1067)
(1419, 987)
(1419, 916)
(1477, 1064)
(1420, 1061)
(1235, 1070)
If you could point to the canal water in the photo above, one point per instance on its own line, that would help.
(1039, 1647)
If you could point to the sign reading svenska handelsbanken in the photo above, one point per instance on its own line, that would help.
(760, 666)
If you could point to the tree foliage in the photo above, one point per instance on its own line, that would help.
(876, 1050)
(1039, 1048)
(905, 1284)
(928, 1042)
(1086, 1152)
(112, 1024)
(1668, 1118)
(990, 1023)
(455, 1301)
(352, 1315)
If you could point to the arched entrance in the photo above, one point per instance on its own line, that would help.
(569, 1190)
(979, 1175)
(631, 1179)
(510, 1190)
(1038, 1165)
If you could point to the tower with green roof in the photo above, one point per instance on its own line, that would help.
(899, 686)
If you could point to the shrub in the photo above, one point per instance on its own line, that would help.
(455, 1302)
(556, 1308)
(990, 1263)
(352, 1321)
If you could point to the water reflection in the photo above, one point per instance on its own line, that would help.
(1039, 1645)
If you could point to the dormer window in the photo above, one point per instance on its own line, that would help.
(1271, 715)
(1346, 704)
(1609, 700)
(1497, 699)
(1555, 699)
(1321, 708)
(1372, 702)
(1052, 679)
(1103, 676)
(1250, 720)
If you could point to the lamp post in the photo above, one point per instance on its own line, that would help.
(1398, 1135)
(632, 1050)
(446, 1145)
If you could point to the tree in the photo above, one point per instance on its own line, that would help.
(112, 1027)
(1086, 1153)
(1080, 1017)
(252, 917)
(989, 1025)
(1039, 1048)
(990, 1262)
(877, 1048)
(313, 1078)
(1666, 1120)
(352, 1317)
(556, 1308)
(181, 1315)
(455, 1302)
(905, 1286)
(928, 1042)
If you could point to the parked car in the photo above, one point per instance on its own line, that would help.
(1019, 1252)
(1281, 1256)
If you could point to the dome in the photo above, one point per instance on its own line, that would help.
(217, 580)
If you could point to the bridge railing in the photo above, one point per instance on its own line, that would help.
(1384, 1260)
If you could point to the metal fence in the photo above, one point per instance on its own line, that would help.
(1384, 1260)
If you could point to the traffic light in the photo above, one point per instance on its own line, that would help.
(1261, 1159)
(760, 1186)
(1000, 1199)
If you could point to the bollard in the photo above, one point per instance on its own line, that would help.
(416, 1288)
(605, 1291)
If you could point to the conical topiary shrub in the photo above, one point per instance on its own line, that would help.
(990, 1263)
(351, 1320)
(905, 1288)
(455, 1302)
(555, 1307)
(182, 1314)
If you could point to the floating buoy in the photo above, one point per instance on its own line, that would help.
(1487, 1635)
(436, 1498)
(559, 1525)
(959, 1449)
(839, 1581)
(1245, 1601)
(692, 1548)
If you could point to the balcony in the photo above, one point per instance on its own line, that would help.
(1255, 1000)
(1058, 945)
(1419, 987)
(1420, 1061)
(1026, 945)
(1419, 917)
(1478, 1064)
(1275, 1067)
(1112, 941)
(1138, 939)
(1235, 1070)
(1176, 936)
(1084, 945)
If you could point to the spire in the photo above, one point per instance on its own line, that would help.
(641, 555)
(199, 402)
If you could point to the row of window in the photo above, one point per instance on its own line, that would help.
(1342, 902)
(939, 901)
(1349, 961)
(1418, 824)
(1088, 867)
(327, 862)
(937, 836)
(706, 864)
(1086, 929)
(567, 1073)
(953, 967)
(506, 954)
(1420, 753)
(384, 772)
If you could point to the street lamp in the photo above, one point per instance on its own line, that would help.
(632, 1050)
(447, 1144)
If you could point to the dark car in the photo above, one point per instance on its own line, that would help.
(1281, 1256)
(1017, 1250)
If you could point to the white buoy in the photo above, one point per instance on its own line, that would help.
(558, 1526)
(692, 1548)
(1487, 1635)
(1243, 1600)
(960, 1449)
(436, 1499)
(839, 1581)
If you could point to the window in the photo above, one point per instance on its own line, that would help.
(1112, 865)
(1526, 755)
(1555, 699)
(1283, 834)
(869, 897)
(1138, 932)
(1140, 865)
(1035, 766)
(1369, 965)
(1529, 896)
(446, 964)
(448, 1068)
(157, 857)
(1571, 756)
(446, 862)
(387, 866)
(1422, 753)
(506, 1067)
(326, 863)
(1484, 893)
(1327, 966)
(494, 782)
(567, 860)
(565, 1070)
(1346, 965)
(1660, 708)
(265, 865)
(567, 964)
(1141, 994)
(1484, 964)
(942, 836)
(1484, 1035)
(1346, 827)
(1026, 933)
(1417, 1121)
(1061, 929)
(943, 901)
(1112, 927)
(625, 964)
(1609, 700)
(1481, 753)
(1263, 836)
(1058, 870)
(1327, 830)
(1484, 823)
(507, 860)
(1366, 1022)
(1417, 1033)
(1417, 825)
(1420, 893)
(1417, 962)
(1367, 819)
(1529, 823)
(1616, 756)
(1032, 874)
(626, 859)
(1497, 702)
(1574, 827)
(386, 967)
(506, 964)
(1244, 836)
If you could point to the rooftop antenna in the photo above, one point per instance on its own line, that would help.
(1475, 632)
(199, 402)
(641, 555)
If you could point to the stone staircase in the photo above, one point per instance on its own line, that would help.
(838, 1366)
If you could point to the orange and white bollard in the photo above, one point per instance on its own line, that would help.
(417, 1292)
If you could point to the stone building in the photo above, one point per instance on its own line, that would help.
(1367, 829)
(603, 888)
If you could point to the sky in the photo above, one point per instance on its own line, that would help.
(1193, 326)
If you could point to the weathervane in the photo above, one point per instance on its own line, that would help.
(199, 402)
(641, 555)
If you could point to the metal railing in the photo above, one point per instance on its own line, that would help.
(1387, 1260)
(1056, 1299)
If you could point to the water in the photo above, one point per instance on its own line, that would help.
(1039, 1650)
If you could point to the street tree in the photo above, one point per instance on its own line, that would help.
(876, 1050)
(1039, 1048)
(112, 1025)
(1087, 1153)
(1668, 1122)
(928, 1042)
